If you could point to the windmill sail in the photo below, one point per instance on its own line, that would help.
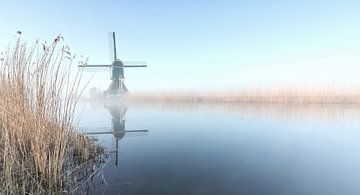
(112, 46)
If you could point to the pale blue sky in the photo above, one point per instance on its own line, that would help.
(202, 44)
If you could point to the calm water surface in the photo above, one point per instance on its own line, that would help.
(226, 149)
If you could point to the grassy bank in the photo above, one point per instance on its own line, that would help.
(305, 94)
(40, 151)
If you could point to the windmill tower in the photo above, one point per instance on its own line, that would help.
(117, 86)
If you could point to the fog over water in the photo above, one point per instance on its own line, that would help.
(163, 148)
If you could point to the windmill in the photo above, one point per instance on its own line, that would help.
(118, 129)
(117, 86)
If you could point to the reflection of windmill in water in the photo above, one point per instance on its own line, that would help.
(117, 86)
(118, 129)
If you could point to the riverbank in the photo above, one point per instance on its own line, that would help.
(306, 94)
(40, 151)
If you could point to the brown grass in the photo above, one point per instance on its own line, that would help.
(305, 94)
(38, 145)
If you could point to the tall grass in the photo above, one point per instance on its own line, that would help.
(300, 94)
(38, 144)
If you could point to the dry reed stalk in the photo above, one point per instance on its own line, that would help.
(282, 94)
(37, 100)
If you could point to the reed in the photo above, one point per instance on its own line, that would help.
(39, 147)
(293, 94)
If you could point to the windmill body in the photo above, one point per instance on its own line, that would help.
(117, 86)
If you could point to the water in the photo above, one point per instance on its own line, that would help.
(226, 149)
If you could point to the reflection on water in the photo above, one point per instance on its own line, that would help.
(226, 149)
(278, 112)
(118, 130)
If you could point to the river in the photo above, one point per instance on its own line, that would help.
(203, 149)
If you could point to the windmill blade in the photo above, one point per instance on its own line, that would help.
(94, 66)
(99, 133)
(137, 130)
(136, 133)
(108, 130)
(112, 46)
(134, 64)
(128, 133)
(96, 130)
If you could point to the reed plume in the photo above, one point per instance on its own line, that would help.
(38, 94)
